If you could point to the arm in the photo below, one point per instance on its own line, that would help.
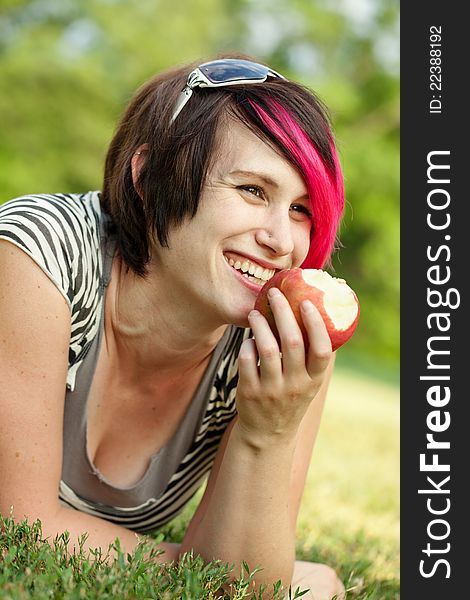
(251, 502)
(34, 342)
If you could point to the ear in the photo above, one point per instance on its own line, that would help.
(138, 161)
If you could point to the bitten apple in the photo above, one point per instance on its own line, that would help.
(335, 300)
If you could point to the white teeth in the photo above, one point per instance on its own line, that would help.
(249, 268)
(265, 274)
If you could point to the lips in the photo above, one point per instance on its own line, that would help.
(251, 271)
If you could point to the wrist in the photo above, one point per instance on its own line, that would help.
(260, 441)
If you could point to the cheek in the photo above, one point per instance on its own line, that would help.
(302, 244)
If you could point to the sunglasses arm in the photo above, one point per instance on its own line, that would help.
(182, 100)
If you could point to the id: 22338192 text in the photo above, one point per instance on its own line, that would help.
(435, 69)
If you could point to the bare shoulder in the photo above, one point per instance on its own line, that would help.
(34, 342)
(32, 309)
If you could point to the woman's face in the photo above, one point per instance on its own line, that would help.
(253, 218)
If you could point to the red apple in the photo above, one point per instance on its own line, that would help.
(336, 301)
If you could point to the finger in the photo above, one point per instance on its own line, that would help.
(292, 343)
(248, 363)
(270, 365)
(319, 350)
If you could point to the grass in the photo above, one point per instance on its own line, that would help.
(348, 519)
(33, 568)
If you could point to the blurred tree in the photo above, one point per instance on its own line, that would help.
(68, 67)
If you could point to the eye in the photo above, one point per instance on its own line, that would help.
(254, 190)
(301, 209)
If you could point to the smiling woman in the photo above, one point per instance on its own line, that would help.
(133, 364)
(178, 154)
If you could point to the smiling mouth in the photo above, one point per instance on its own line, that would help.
(252, 271)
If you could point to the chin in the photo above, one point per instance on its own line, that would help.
(238, 316)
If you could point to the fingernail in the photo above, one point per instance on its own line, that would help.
(306, 306)
(273, 292)
(254, 314)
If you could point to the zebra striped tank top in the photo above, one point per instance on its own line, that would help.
(67, 235)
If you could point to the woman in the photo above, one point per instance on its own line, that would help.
(136, 304)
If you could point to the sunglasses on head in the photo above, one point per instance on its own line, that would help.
(220, 73)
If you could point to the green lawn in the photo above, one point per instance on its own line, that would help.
(349, 519)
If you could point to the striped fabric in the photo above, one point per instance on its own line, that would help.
(62, 234)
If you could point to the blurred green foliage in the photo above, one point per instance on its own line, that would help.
(68, 67)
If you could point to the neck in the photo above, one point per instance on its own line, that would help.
(153, 329)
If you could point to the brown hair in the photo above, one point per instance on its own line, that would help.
(179, 154)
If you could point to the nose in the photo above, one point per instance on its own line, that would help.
(277, 235)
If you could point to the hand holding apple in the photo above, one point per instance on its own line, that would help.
(335, 300)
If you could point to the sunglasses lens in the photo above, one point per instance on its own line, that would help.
(223, 71)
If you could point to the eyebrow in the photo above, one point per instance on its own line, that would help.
(266, 178)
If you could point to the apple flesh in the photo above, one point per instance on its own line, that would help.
(335, 300)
